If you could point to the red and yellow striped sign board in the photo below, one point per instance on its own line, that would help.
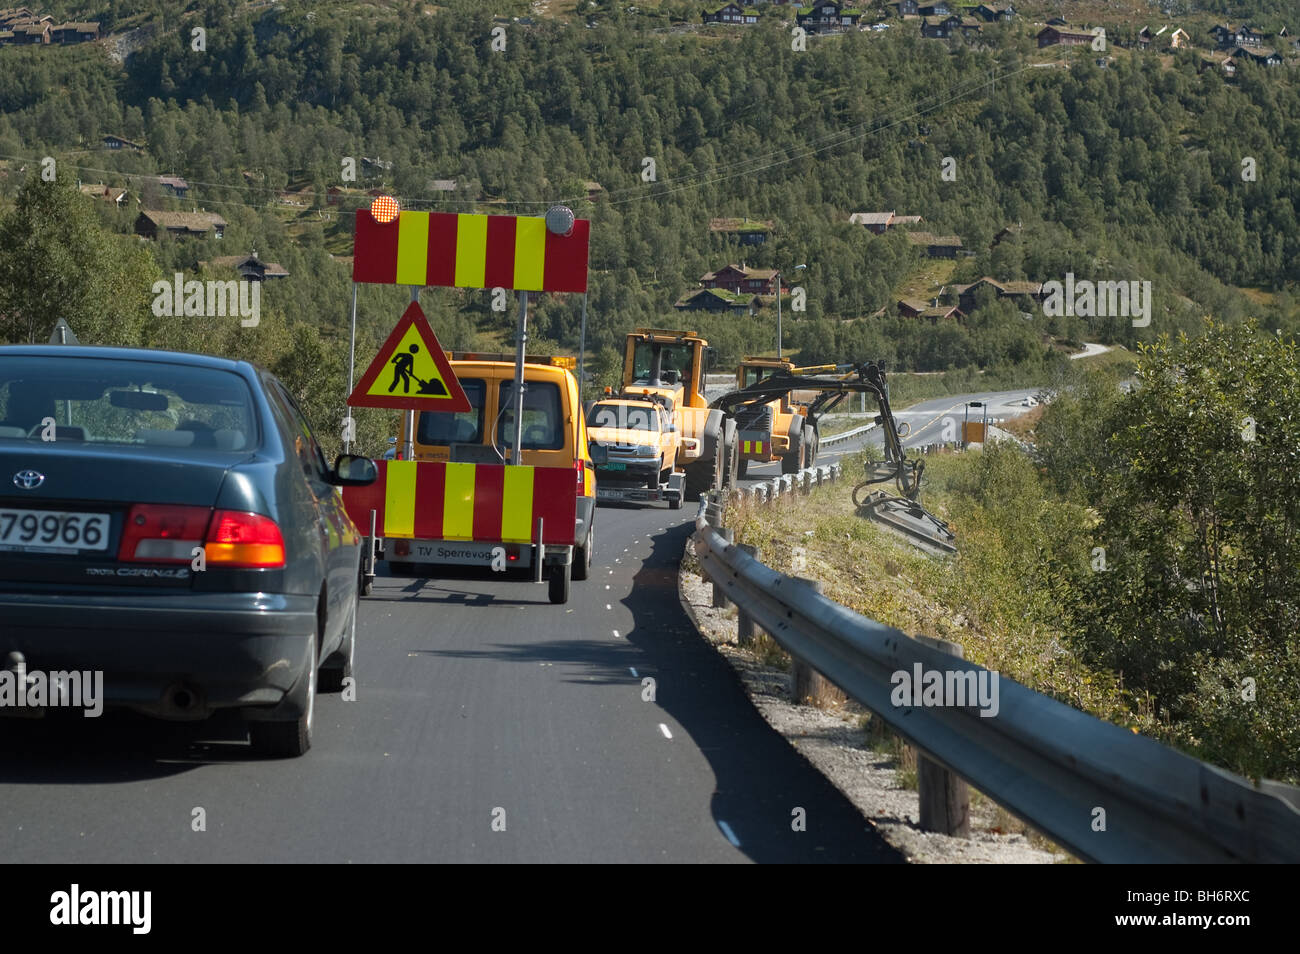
(470, 251)
(752, 447)
(495, 503)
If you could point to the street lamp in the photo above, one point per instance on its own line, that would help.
(778, 309)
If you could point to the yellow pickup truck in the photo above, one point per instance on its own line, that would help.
(634, 445)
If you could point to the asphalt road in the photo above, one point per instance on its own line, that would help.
(929, 422)
(473, 695)
(477, 701)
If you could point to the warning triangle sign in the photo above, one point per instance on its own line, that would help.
(411, 371)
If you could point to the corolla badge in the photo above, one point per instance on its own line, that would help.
(28, 479)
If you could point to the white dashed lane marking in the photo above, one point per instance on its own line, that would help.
(664, 729)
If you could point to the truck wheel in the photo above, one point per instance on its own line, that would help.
(675, 502)
(558, 588)
(732, 472)
(705, 475)
(582, 555)
(699, 475)
(814, 447)
(792, 461)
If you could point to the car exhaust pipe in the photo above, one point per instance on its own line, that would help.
(180, 700)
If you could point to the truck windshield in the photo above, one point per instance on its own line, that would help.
(620, 415)
(674, 362)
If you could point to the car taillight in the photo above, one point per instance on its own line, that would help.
(580, 468)
(162, 533)
(239, 539)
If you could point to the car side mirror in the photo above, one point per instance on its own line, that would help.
(350, 470)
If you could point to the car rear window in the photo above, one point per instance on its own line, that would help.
(543, 417)
(465, 427)
(125, 402)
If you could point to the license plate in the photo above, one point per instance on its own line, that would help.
(616, 465)
(53, 531)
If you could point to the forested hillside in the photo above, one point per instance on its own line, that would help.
(1130, 172)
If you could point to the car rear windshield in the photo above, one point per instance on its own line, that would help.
(621, 415)
(125, 402)
(463, 428)
(543, 418)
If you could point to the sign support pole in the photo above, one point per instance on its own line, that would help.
(352, 361)
(516, 453)
(408, 451)
(582, 347)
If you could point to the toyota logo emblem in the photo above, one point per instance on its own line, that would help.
(28, 479)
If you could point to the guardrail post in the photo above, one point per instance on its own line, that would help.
(944, 797)
(746, 629)
(807, 685)
(719, 598)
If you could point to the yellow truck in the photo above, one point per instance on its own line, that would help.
(780, 429)
(668, 367)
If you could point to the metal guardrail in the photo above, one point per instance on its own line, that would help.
(845, 435)
(801, 482)
(1106, 794)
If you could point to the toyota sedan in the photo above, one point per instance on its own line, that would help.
(169, 522)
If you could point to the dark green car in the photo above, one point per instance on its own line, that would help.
(168, 520)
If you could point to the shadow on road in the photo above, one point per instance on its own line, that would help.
(761, 778)
(68, 749)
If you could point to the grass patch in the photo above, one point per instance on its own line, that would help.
(988, 597)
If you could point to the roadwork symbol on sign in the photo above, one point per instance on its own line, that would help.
(411, 371)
